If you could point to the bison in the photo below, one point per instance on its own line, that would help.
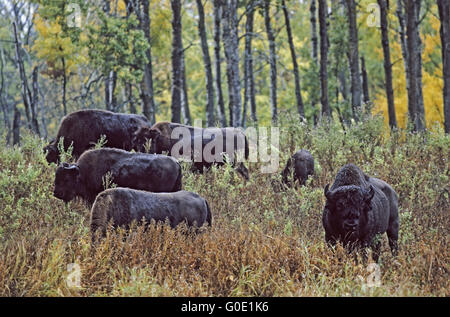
(358, 208)
(85, 178)
(302, 164)
(85, 127)
(164, 139)
(123, 205)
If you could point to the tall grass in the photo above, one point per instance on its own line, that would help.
(265, 240)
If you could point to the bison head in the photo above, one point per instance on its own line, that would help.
(66, 181)
(141, 136)
(348, 206)
(51, 153)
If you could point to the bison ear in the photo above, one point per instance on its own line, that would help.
(153, 133)
(368, 194)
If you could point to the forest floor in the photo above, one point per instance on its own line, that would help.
(265, 240)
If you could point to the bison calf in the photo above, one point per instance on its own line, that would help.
(359, 207)
(151, 172)
(123, 205)
(302, 164)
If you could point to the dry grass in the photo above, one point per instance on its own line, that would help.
(264, 241)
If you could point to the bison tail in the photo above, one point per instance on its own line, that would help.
(178, 183)
(208, 215)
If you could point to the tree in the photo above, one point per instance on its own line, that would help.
(217, 63)
(412, 44)
(177, 50)
(210, 120)
(231, 47)
(272, 62)
(409, 22)
(365, 81)
(323, 10)
(29, 99)
(141, 7)
(353, 57)
(444, 15)
(298, 94)
(249, 78)
(383, 4)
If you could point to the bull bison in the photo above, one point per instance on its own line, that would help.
(358, 208)
(163, 139)
(85, 127)
(155, 173)
(123, 205)
(302, 164)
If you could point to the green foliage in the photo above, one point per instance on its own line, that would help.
(116, 44)
(65, 155)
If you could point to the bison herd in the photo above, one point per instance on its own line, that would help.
(358, 208)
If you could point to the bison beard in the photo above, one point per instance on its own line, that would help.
(84, 128)
(358, 208)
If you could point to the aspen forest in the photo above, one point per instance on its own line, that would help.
(363, 82)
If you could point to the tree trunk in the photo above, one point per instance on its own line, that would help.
(110, 76)
(298, 93)
(64, 86)
(365, 82)
(217, 61)
(35, 100)
(272, 62)
(323, 11)
(147, 94)
(420, 102)
(210, 120)
(16, 126)
(184, 95)
(130, 98)
(444, 15)
(26, 94)
(413, 66)
(387, 62)
(314, 39)
(231, 46)
(3, 102)
(402, 34)
(353, 58)
(177, 49)
(249, 82)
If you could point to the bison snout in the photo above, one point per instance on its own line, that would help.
(350, 226)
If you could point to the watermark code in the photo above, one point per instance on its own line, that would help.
(73, 279)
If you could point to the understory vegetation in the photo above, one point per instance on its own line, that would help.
(266, 240)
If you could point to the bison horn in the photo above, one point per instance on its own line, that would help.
(70, 166)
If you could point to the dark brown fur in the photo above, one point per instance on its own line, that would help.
(123, 205)
(358, 208)
(160, 135)
(302, 166)
(85, 127)
(155, 173)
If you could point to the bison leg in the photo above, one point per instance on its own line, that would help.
(392, 234)
(376, 250)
